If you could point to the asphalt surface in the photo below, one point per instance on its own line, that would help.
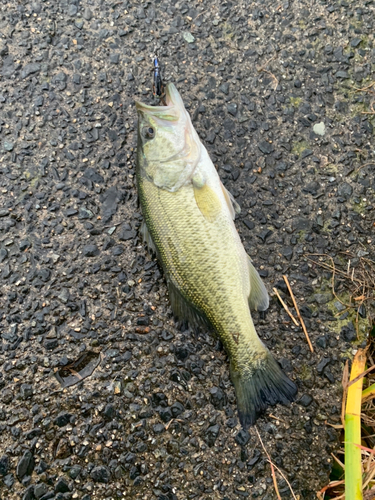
(273, 92)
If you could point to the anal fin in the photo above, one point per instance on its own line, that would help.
(183, 309)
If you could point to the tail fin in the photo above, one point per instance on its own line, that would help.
(265, 385)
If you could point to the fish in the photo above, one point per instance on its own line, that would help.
(188, 222)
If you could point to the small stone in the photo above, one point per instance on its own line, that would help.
(90, 250)
(93, 175)
(224, 88)
(242, 438)
(4, 51)
(218, 398)
(232, 108)
(8, 146)
(75, 471)
(126, 235)
(29, 493)
(100, 474)
(342, 74)
(339, 306)
(321, 342)
(297, 83)
(25, 465)
(109, 412)
(62, 485)
(4, 465)
(319, 128)
(114, 58)
(62, 419)
(345, 190)
(305, 400)
(322, 364)
(348, 332)
(323, 298)
(50, 344)
(84, 213)
(9, 480)
(212, 434)
(40, 490)
(26, 391)
(24, 244)
(158, 428)
(39, 101)
(249, 224)
(177, 408)
(30, 69)
(72, 10)
(41, 467)
(87, 14)
(3, 254)
(305, 153)
(188, 37)
(118, 250)
(265, 147)
(287, 252)
(165, 414)
(70, 212)
(55, 258)
(63, 449)
(263, 235)
(355, 42)
(6, 396)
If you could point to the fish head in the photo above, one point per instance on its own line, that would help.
(168, 146)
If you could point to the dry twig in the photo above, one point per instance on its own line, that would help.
(286, 307)
(298, 313)
(273, 467)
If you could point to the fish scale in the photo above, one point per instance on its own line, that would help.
(189, 222)
(201, 258)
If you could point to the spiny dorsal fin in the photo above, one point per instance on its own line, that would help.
(258, 298)
(233, 206)
(147, 239)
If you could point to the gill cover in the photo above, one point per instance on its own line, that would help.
(170, 157)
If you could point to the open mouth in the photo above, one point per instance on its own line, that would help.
(172, 98)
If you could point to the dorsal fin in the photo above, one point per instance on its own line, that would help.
(147, 238)
(233, 206)
(258, 298)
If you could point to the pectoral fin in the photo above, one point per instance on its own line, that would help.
(258, 298)
(207, 200)
(233, 206)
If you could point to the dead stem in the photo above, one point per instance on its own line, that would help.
(271, 464)
(273, 470)
(285, 307)
(298, 314)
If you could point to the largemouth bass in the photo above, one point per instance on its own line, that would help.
(188, 222)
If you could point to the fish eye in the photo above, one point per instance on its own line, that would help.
(148, 132)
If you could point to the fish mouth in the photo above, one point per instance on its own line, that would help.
(170, 112)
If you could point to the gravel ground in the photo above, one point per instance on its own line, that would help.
(271, 88)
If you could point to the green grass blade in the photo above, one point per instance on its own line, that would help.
(353, 466)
